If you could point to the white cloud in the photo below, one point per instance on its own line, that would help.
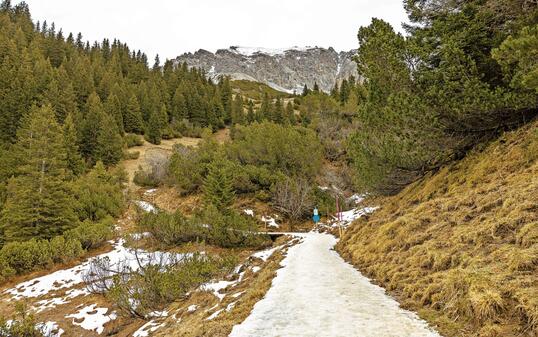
(171, 27)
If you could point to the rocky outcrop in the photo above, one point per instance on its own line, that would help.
(283, 69)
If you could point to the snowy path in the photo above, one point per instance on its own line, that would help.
(317, 293)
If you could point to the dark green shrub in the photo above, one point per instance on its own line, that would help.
(132, 140)
(99, 194)
(91, 235)
(172, 229)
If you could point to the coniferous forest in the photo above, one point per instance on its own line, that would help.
(464, 74)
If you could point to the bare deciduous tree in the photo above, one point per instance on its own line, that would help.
(293, 198)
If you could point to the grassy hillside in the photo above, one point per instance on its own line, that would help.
(255, 90)
(461, 246)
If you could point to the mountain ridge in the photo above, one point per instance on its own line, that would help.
(284, 69)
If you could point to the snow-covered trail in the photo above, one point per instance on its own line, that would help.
(317, 293)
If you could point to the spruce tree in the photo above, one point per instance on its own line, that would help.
(278, 112)
(133, 117)
(92, 123)
(290, 113)
(39, 202)
(251, 116)
(109, 142)
(218, 186)
(238, 116)
(75, 163)
(153, 133)
(113, 108)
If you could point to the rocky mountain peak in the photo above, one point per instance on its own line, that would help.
(285, 69)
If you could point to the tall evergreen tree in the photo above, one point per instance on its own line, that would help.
(133, 117)
(290, 114)
(109, 143)
(251, 116)
(153, 133)
(218, 186)
(75, 163)
(39, 201)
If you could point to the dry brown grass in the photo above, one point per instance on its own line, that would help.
(195, 324)
(461, 246)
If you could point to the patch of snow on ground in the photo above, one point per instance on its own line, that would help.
(157, 314)
(249, 212)
(150, 191)
(349, 216)
(256, 269)
(266, 254)
(192, 308)
(68, 278)
(92, 318)
(48, 304)
(230, 306)
(147, 328)
(216, 287)
(214, 315)
(49, 329)
(238, 294)
(139, 236)
(270, 222)
(146, 206)
(317, 293)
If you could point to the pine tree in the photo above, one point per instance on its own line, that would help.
(92, 124)
(278, 112)
(316, 87)
(227, 100)
(133, 118)
(238, 115)
(153, 133)
(251, 117)
(75, 163)
(109, 143)
(218, 186)
(266, 109)
(290, 113)
(306, 91)
(113, 108)
(39, 202)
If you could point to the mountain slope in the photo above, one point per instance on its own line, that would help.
(461, 246)
(283, 69)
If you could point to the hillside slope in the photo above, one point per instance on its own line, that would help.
(461, 245)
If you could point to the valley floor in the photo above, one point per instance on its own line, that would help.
(317, 293)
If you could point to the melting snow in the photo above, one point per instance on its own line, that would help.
(146, 206)
(147, 328)
(192, 308)
(249, 212)
(68, 278)
(92, 318)
(270, 222)
(216, 287)
(266, 254)
(317, 293)
(50, 329)
(349, 216)
(255, 269)
(150, 191)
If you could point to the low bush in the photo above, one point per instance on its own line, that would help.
(91, 235)
(132, 140)
(18, 258)
(210, 226)
(131, 155)
(22, 325)
(156, 281)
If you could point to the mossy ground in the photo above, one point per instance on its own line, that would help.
(460, 246)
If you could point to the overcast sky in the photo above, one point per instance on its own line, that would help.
(170, 28)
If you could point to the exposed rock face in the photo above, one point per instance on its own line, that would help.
(282, 69)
